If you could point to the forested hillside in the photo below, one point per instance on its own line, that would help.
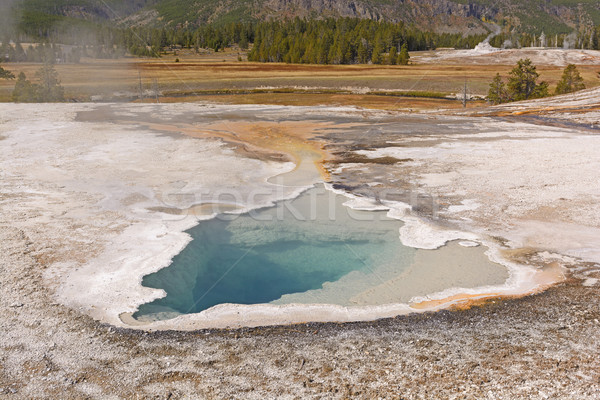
(442, 16)
(293, 31)
(464, 16)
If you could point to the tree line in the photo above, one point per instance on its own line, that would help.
(40, 52)
(330, 41)
(46, 89)
(346, 41)
(522, 84)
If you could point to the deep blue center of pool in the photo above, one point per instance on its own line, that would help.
(258, 258)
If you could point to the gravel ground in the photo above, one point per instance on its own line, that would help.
(539, 347)
(544, 346)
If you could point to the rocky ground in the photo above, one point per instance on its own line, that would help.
(539, 347)
(544, 346)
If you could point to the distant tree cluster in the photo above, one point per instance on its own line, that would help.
(353, 40)
(48, 88)
(589, 39)
(346, 41)
(40, 52)
(58, 54)
(586, 39)
(153, 41)
(523, 85)
(330, 41)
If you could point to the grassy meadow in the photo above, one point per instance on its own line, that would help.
(220, 77)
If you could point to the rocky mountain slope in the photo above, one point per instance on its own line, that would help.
(553, 16)
(468, 16)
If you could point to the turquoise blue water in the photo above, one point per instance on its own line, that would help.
(312, 249)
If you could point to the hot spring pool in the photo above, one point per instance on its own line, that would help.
(309, 250)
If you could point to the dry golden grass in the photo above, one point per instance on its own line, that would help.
(310, 99)
(197, 77)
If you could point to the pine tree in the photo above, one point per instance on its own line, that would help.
(49, 88)
(541, 90)
(363, 51)
(244, 42)
(522, 83)
(497, 93)
(24, 91)
(322, 50)
(393, 56)
(377, 56)
(403, 57)
(571, 81)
